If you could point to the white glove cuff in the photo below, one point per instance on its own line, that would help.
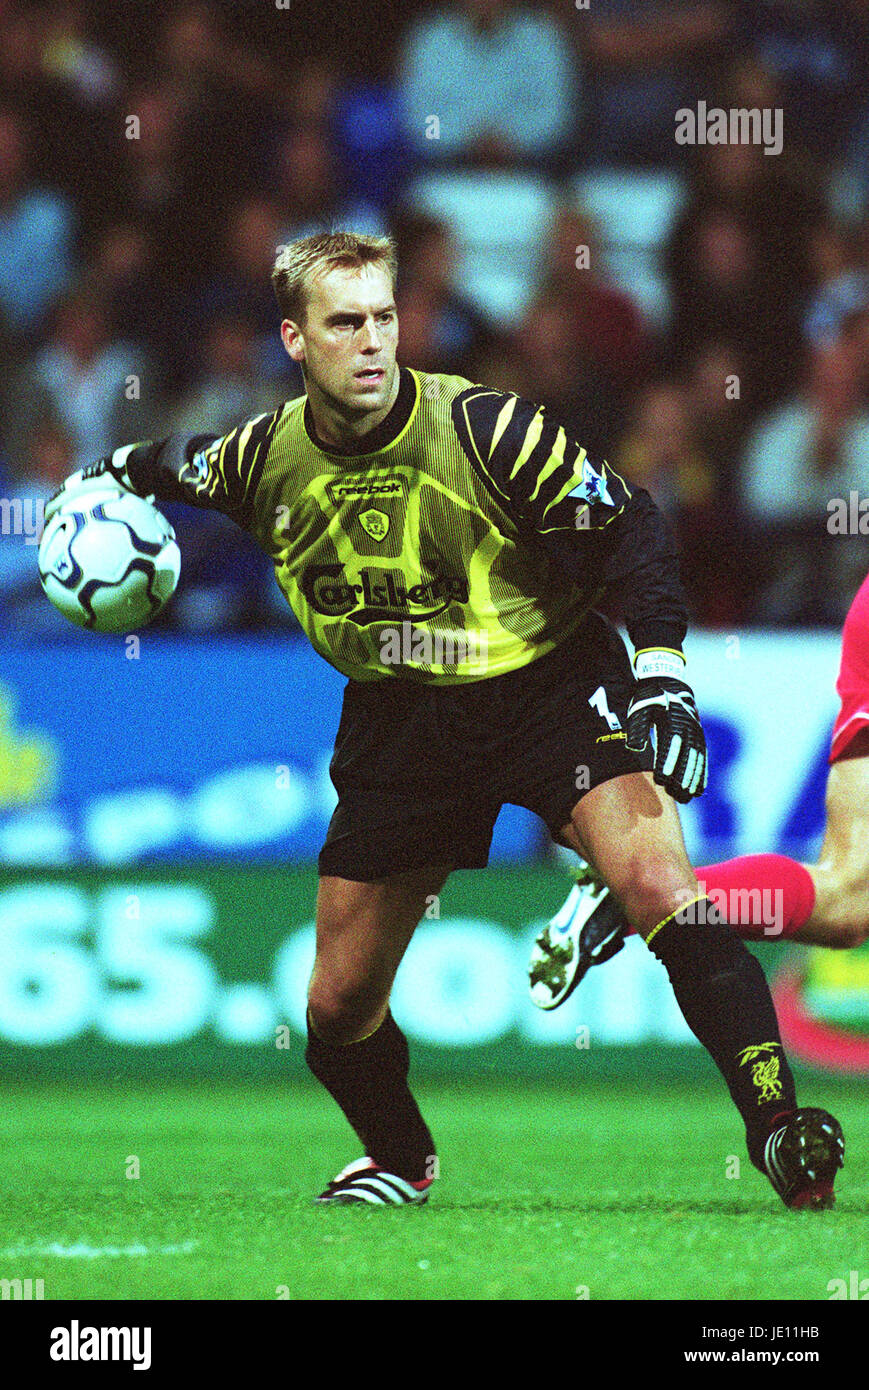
(655, 662)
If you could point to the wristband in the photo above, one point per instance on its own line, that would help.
(658, 662)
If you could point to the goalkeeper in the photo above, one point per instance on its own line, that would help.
(443, 545)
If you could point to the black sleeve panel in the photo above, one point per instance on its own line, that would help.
(637, 561)
(205, 470)
(582, 512)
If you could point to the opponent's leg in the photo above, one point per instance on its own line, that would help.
(841, 875)
(764, 897)
(768, 897)
(822, 904)
(631, 831)
(840, 917)
(355, 1048)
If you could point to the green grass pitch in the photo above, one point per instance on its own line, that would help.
(544, 1192)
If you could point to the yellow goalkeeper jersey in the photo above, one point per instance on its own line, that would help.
(428, 556)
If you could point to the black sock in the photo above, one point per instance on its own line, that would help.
(368, 1079)
(723, 994)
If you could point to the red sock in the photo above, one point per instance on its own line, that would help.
(763, 897)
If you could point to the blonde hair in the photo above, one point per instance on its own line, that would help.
(299, 262)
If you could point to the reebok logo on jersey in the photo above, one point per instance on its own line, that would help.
(356, 489)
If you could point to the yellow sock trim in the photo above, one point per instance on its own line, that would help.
(368, 1035)
(354, 1040)
(654, 932)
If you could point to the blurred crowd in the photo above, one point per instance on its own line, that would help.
(698, 313)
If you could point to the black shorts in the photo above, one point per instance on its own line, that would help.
(422, 771)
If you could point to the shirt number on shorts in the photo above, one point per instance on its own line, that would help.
(598, 701)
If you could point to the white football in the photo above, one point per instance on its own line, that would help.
(109, 561)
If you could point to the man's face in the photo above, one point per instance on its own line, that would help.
(348, 340)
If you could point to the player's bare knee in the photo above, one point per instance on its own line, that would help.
(341, 1009)
(655, 887)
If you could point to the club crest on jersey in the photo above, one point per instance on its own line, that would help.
(593, 487)
(375, 523)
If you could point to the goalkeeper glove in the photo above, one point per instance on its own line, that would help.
(663, 702)
(96, 477)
